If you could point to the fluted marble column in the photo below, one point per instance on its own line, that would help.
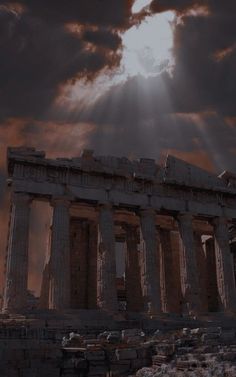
(212, 288)
(106, 289)
(188, 266)
(92, 265)
(166, 272)
(60, 256)
(15, 294)
(202, 271)
(224, 266)
(132, 270)
(151, 263)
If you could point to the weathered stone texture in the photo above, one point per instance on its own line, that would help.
(177, 296)
(202, 271)
(166, 275)
(132, 272)
(60, 256)
(15, 294)
(79, 263)
(45, 287)
(212, 289)
(151, 263)
(93, 196)
(107, 292)
(92, 265)
(224, 266)
(189, 276)
(83, 263)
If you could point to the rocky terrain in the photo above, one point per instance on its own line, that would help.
(50, 352)
(200, 352)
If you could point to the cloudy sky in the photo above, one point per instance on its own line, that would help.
(140, 78)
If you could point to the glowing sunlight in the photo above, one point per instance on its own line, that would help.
(148, 47)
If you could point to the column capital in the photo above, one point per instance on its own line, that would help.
(61, 201)
(219, 220)
(185, 216)
(148, 211)
(105, 205)
(21, 198)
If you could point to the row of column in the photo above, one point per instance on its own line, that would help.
(15, 295)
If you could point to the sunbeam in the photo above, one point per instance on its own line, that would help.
(147, 52)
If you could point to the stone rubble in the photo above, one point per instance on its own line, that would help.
(200, 352)
(111, 353)
(196, 352)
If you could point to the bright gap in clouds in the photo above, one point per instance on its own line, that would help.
(147, 48)
(139, 5)
(147, 51)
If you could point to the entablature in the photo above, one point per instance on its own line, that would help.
(121, 181)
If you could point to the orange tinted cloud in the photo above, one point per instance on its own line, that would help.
(222, 54)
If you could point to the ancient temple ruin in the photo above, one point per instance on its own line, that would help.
(173, 220)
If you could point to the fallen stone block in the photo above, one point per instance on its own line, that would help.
(209, 336)
(95, 355)
(139, 363)
(197, 331)
(126, 354)
(212, 330)
(97, 370)
(186, 331)
(143, 352)
(164, 349)
(227, 336)
(130, 333)
(120, 367)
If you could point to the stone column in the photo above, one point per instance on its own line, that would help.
(212, 289)
(177, 297)
(202, 271)
(168, 287)
(92, 265)
(15, 295)
(132, 270)
(151, 263)
(224, 267)
(45, 285)
(60, 256)
(44, 292)
(188, 266)
(106, 289)
(79, 257)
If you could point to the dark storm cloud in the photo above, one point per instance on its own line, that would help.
(102, 38)
(203, 77)
(181, 6)
(202, 80)
(186, 111)
(113, 13)
(39, 53)
(176, 5)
